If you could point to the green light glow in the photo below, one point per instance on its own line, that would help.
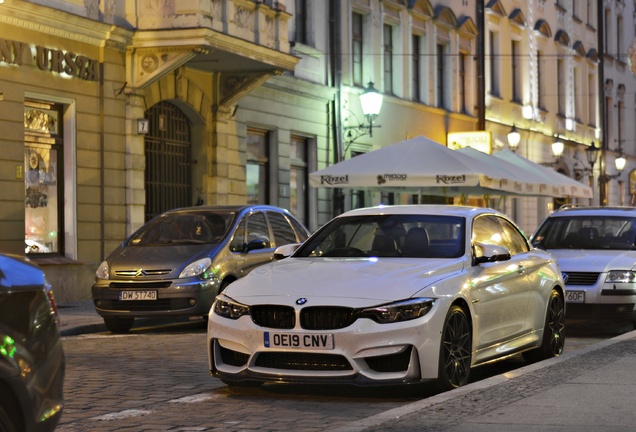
(7, 347)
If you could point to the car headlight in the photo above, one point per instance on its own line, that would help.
(196, 268)
(231, 310)
(404, 310)
(620, 276)
(102, 270)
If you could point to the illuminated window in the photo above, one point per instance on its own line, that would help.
(43, 162)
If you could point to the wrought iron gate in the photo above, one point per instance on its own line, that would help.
(168, 160)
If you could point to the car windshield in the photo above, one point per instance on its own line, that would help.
(410, 236)
(586, 232)
(203, 227)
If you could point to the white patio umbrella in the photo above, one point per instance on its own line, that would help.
(566, 186)
(533, 182)
(420, 164)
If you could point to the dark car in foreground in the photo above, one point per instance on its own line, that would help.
(596, 251)
(32, 363)
(179, 261)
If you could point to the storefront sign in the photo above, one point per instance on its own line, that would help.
(48, 59)
(479, 140)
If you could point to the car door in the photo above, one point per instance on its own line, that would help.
(500, 289)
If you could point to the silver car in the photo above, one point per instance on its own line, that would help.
(179, 261)
(595, 249)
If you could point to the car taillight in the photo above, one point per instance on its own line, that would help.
(49, 293)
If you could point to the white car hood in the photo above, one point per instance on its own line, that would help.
(593, 260)
(360, 281)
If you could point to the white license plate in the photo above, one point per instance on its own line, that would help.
(298, 340)
(575, 296)
(138, 295)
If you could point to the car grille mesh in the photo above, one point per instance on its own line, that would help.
(302, 361)
(142, 273)
(233, 358)
(327, 317)
(143, 305)
(390, 363)
(311, 318)
(581, 278)
(273, 316)
(139, 285)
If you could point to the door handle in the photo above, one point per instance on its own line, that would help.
(521, 269)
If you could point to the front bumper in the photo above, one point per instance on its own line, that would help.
(174, 298)
(365, 353)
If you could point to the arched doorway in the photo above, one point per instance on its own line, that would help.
(168, 175)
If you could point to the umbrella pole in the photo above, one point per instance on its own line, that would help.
(419, 197)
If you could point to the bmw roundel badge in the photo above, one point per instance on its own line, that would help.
(301, 301)
(565, 277)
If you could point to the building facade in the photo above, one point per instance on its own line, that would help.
(117, 110)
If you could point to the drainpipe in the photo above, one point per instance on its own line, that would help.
(102, 206)
(602, 181)
(481, 66)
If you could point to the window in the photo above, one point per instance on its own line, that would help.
(356, 48)
(257, 167)
(462, 83)
(298, 153)
(283, 232)
(441, 74)
(619, 38)
(516, 71)
(561, 86)
(591, 108)
(493, 63)
(301, 21)
(608, 31)
(540, 78)
(620, 118)
(576, 96)
(415, 68)
(388, 59)
(43, 179)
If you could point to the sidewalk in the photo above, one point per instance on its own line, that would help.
(593, 388)
(79, 318)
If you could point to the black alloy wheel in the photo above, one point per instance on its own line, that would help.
(553, 332)
(456, 350)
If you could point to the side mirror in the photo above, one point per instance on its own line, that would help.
(490, 253)
(256, 244)
(285, 251)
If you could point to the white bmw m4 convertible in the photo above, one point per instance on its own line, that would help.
(391, 295)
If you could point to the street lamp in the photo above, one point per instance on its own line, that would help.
(557, 152)
(514, 137)
(557, 149)
(371, 103)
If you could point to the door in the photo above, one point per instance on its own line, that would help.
(168, 177)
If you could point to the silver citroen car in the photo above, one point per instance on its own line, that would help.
(178, 262)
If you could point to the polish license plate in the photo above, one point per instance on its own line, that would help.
(575, 296)
(322, 341)
(137, 295)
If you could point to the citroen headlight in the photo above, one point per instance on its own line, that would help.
(231, 310)
(196, 268)
(620, 276)
(102, 270)
(404, 310)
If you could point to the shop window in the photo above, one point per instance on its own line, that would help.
(257, 167)
(43, 163)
